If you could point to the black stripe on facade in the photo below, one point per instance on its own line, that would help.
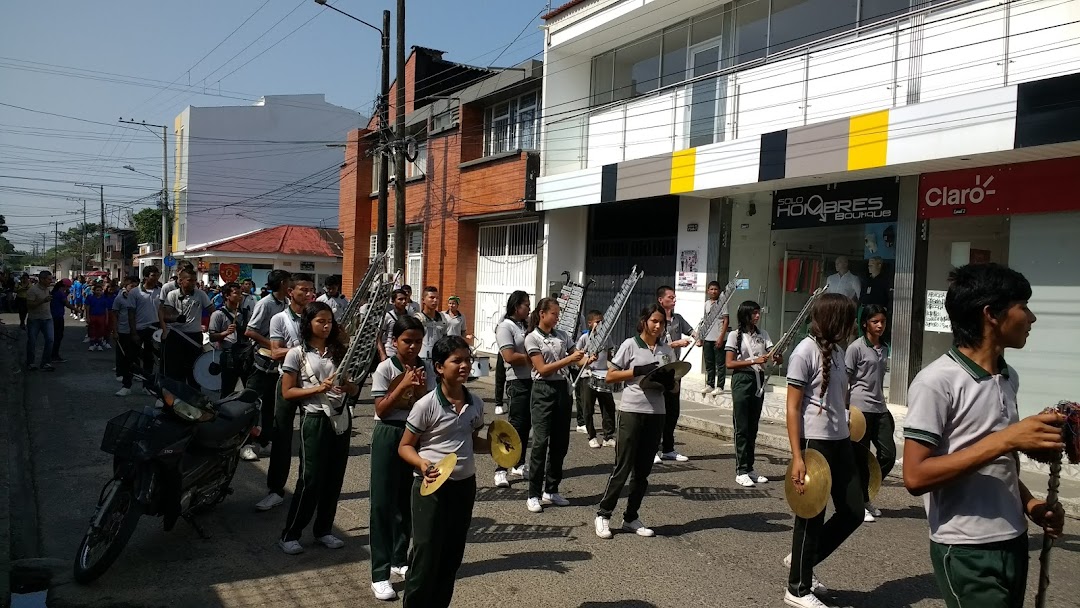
(609, 179)
(1048, 111)
(773, 158)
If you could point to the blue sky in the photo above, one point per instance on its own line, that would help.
(102, 59)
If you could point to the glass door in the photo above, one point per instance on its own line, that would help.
(705, 99)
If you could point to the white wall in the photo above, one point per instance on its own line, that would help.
(565, 232)
(690, 303)
(750, 244)
(563, 122)
(221, 173)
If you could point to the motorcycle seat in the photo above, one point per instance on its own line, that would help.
(233, 417)
(247, 396)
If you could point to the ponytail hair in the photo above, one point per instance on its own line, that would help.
(543, 305)
(831, 321)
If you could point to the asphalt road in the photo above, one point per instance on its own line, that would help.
(717, 544)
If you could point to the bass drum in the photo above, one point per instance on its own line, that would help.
(597, 382)
(207, 369)
(157, 342)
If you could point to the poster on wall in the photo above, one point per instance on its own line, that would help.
(937, 320)
(862, 202)
(880, 241)
(245, 273)
(688, 269)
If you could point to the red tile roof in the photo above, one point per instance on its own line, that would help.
(555, 12)
(292, 240)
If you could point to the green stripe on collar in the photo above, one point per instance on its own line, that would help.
(974, 369)
(444, 402)
(640, 343)
(397, 363)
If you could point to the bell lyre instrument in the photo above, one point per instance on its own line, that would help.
(349, 318)
(714, 314)
(785, 340)
(598, 337)
(1071, 438)
(363, 341)
(571, 298)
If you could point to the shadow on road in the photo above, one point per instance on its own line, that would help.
(901, 592)
(619, 604)
(550, 561)
(746, 522)
(714, 494)
(908, 512)
(486, 530)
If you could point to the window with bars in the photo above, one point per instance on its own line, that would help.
(415, 240)
(512, 125)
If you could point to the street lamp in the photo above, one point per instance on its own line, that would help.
(163, 204)
(164, 178)
(384, 127)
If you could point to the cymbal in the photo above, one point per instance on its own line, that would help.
(265, 352)
(856, 424)
(816, 486)
(445, 467)
(862, 452)
(681, 368)
(409, 397)
(505, 443)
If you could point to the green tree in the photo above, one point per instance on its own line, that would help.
(148, 225)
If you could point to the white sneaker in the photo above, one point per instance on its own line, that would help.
(717, 392)
(656, 458)
(123, 392)
(86, 340)
(603, 527)
(383, 590)
(757, 478)
(522, 471)
(108, 346)
(331, 542)
(290, 547)
(674, 456)
(499, 410)
(554, 499)
(582, 429)
(594, 443)
(249, 455)
(270, 501)
(815, 585)
(638, 528)
(744, 480)
(399, 570)
(500, 480)
(266, 450)
(807, 601)
(98, 348)
(868, 517)
(534, 506)
(873, 510)
(92, 348)
(609, 443)
(119, 378)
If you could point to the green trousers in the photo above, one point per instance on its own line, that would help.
(323, 457)
(978, 576)
(390, 515)
(440, 527)
(715, 364)
(520, 416)
(879, 431)
(550, 410)
(746, 412)
(634, 452)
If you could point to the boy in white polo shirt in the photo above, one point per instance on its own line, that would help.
(962, 433)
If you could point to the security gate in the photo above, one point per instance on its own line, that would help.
(506, 262)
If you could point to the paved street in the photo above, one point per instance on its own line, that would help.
(717, 544)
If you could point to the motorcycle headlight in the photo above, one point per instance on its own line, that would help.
(185, 410)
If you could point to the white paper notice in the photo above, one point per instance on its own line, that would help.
(936, 317)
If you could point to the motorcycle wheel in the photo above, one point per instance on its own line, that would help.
(102, 544)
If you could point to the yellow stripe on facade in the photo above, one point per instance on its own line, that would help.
(682, 170)
(868, 140)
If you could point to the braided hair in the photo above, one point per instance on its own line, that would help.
(832, 320)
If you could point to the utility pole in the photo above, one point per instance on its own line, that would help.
(101, 193)
(164, 181)
(56, 246)
(382, 233)
(82, 247)
(400, 245)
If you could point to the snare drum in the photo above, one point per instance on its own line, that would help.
(596, 380)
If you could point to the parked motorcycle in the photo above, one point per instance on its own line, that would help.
(175, 462)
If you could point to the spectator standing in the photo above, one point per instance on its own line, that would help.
(39, 320)
(77, 297)
(97, 327)
(57, 306)
(332, 296)
(124, 311)
(20, 298)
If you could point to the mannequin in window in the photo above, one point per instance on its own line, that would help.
(844, 282)
(878, 290)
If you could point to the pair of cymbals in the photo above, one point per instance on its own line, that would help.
(856, 424)
(445, 467)
(678, 368)
(409, 397)
(817, 484)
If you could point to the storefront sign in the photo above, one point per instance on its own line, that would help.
(1038, 187)
(866, 202)
(936, 318)
(307, 266)
(229, 272)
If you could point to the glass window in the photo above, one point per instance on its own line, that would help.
(708, 26)
(637, 68)
(674, 59)
(512, 125)
(418, 166)
(751, 30)
(878, 10)
(500, 133)
(601, 78)
(528, 111)
(797, 22)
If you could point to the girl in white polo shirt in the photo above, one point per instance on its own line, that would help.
(817, 418)
(640, 419)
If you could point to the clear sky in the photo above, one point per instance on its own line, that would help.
(98, 60)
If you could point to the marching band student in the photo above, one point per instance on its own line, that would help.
(286, 332)
(457, 325)
(265, 375)
(747, 348)
(866, 360)
(386, 342)
(182, 342)
(714, 343)
(124, 323)
(677, 327)
(390, 521)
(146, 320)
(307, 377)
(817, 419)
(510, 337)
(226, 327)
(961, 436)
(332, 296)
(446, 420)
(550, 352)
(410, 306)
(640, 420)
(589, 397)
(435, 322)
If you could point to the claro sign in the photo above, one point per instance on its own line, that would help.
(1038, 187)
(865, 202)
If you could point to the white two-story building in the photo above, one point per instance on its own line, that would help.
(696, 138)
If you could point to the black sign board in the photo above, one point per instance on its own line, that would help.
(866, 202)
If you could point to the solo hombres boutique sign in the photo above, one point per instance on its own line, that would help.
(872, 201)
